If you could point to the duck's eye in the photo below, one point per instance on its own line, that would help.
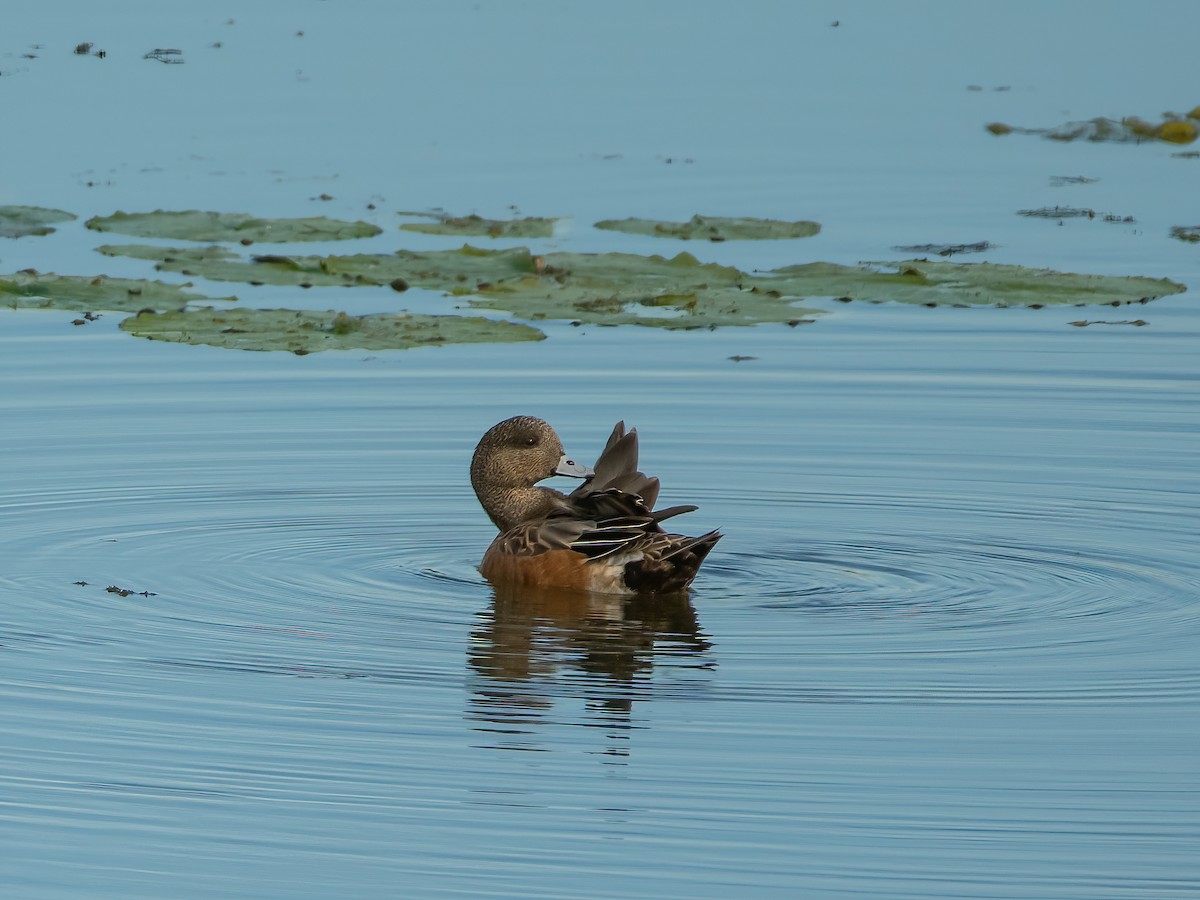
(531, 442)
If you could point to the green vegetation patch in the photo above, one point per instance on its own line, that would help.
(26, 221)
(946, 249)
(82, 293)
(680, 292)
(940, 283)
(195, 225)
(477, 226)
(1189, 233)
(714, 228)
(308, 332)
(463, 270)
(629, 289)
(1174, 129)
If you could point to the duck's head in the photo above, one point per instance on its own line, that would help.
(512, 457)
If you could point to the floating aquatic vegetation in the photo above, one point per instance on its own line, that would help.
(303, 331)
(606, 289)
(628, 289)
(1057, 212)
(456, 271)
(33, 290)
(1084, 323)
(1174, 129)
(196, 225)
(24, 221)
(938, 283)
(476, 226)
(1064, 180)
(714, 228)
(1069, 212)
(680, 292)
(946, 249)
(1189, 233)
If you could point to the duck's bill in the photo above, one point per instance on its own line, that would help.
(572, 469)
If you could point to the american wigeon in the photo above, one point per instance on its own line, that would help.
(604, 536)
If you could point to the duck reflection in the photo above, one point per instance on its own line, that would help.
(538, 652)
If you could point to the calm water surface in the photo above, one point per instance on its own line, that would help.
(947, 648)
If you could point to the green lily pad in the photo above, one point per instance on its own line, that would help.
(454, 271)
(1189, 233)
(628, 289)
(946, 249)
(82, 293)
(308, 332)
(714, 228)
(476, 226)
(195, 225)
(25, 221)
(680, 292)
(943, 283)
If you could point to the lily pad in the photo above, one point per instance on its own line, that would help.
(714, 228)
(680, 292)
(455, 271)
(946, 249)
(80, 293)
(628, 289)
(25, 221)
(477, 226)
(195, 225)
(940, 283)
(303, 332)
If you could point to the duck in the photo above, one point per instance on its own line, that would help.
(603, 537)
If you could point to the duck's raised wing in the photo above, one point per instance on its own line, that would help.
(611, 511)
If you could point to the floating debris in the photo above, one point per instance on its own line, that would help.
(1057, 212)
(1069, 212)
(737, 358)
(126, 592)
(25, 221)
(83, 49)
(1189, 233)
(946, 249)
(1063, 180)
(1083, 323)
(170, 56)
(1174, 129)
(714, 228)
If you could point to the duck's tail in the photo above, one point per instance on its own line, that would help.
(671, 566)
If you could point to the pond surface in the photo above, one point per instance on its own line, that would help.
(948, 646)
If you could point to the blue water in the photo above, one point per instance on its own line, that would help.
(948, 645)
